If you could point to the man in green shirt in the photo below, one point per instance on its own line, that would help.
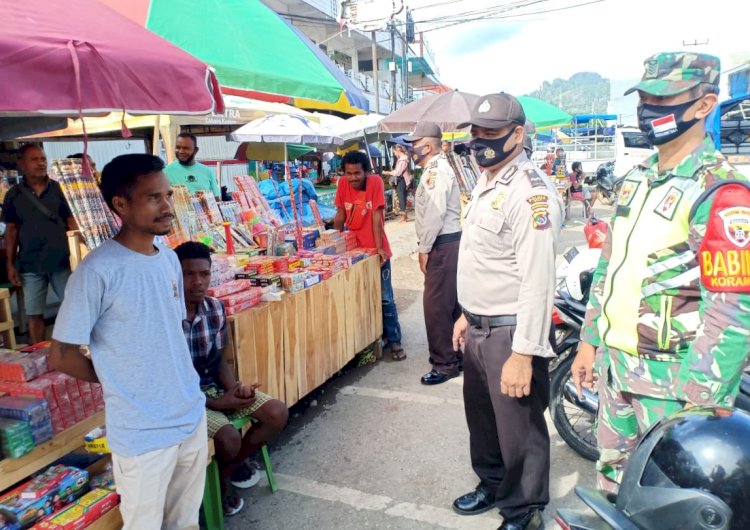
(185, 171)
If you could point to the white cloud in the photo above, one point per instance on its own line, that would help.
(612, 38)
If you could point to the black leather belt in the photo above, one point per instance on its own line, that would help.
(499, 321)
(446, 238)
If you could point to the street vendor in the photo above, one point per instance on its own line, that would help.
(186, 171)
(360, 201)
(226, 398)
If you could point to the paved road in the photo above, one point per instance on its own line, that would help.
(374, 448)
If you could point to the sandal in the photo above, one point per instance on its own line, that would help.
(232, 505)
(397, 353)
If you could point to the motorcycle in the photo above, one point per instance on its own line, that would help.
(573, 417)
(607, 185)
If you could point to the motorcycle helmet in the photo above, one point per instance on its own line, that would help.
(580, 273)
(689, 472)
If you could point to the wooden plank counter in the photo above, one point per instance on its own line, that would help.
(294, 346)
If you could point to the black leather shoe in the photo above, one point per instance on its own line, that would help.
(434, 377)
(478, 501)
(528, 521)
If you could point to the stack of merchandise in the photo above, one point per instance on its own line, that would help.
(94, 218)
(47, 496)
(466, 170)
(81, 513)
(351, 240)
(63, 400)
(237, 296)
(32, 412)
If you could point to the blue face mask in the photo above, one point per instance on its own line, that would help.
(664, 123)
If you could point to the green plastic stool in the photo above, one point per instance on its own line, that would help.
(239, 423)
(213, 511)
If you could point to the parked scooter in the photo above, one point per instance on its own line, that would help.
(607, 185)
(573, 417)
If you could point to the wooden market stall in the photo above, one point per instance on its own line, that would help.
(294, 346)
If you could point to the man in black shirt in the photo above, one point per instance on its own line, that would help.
(37, 216)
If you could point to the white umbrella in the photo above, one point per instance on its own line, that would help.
(285, 129)
(361, 126)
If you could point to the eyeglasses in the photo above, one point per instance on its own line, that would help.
(191, 178)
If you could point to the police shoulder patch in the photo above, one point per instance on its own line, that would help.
(535, 179)
(429, 178)
(539, 204)
(724, 255)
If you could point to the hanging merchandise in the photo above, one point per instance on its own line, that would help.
(94, 218)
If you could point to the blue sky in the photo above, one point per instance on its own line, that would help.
(612, 38)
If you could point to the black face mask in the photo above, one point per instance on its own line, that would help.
(664, 123)
(490, 153)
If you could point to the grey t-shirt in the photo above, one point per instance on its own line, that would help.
(129, 307)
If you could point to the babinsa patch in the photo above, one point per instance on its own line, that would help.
(723, 255)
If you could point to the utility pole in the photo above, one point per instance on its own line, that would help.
(405, 69)
(375, 72)
(392, 66)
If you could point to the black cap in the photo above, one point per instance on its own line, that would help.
(425, 129)
(495, 111)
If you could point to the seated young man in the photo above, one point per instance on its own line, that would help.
(226, 398)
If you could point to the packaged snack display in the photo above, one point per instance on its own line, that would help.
(25, 512)
(228, 288)
(15, 438)
(82, 512)
(95, 441)
(22, 366)
(35, 412)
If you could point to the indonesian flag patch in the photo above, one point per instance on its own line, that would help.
(664, 125)
(723, 255)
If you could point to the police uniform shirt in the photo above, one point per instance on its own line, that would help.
(506, 261)
(437, 204)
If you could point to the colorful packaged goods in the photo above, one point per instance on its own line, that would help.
(241, 301)
(15, 438)
(22, 366)
(264, 280)
(59, 384)
(292, 282)
(40, 388)
(228, 288)
(281, 264)
(81, 513)
(24, 512)
(35, 412)
(311, 279)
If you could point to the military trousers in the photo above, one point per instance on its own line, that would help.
(508, 437)
(441, 308)
(622, 420)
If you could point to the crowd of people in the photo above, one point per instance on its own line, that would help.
(665, 331)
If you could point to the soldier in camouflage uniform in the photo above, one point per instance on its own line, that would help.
(669, 310)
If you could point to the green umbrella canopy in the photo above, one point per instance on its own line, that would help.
(253, 51)
(543, 114)
(271, 151)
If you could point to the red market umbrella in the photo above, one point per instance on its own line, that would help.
(81, 58)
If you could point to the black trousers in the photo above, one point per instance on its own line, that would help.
(508, 436)
(441, 308)
(401, 195)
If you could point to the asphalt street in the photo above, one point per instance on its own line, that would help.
(374, 448)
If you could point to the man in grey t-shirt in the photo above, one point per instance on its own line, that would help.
(126, 302)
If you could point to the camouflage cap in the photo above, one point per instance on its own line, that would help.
(671, 73)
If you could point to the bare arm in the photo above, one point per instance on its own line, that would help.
(67, 358)
(226, 375)
(11, 250)
(71, 224)
(377, 230)
(338, 221)
(11, 242)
